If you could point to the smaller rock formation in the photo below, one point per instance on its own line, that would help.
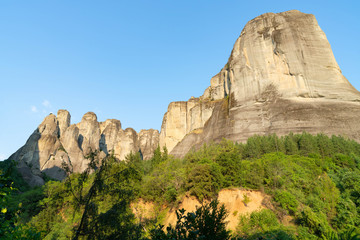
(55, 143)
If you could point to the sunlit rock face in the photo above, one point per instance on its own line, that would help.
(281, 76)
(55, 143)
(287, 50)
(183, 118)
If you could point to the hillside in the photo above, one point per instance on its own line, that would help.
(292, 187)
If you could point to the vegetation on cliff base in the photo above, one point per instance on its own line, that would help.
(313, 179)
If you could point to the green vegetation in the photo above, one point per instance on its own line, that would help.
(246, 199)
(10, 222)
(263, 225)
(313, 180)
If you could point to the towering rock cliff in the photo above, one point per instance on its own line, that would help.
(281, 76)
(55, 142)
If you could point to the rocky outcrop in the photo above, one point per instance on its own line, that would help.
(39, 151)
(281, 76)
(70, 143)
(183, 118)
(109, 135)
(63, 118)
(55, 143)
(89, 133)
(148, 142)
(129, 143)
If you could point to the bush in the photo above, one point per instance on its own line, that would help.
(316, 222)
(287, 201)
(262, 225)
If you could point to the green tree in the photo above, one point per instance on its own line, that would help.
(112, 183)
(207, 222)
(204, 181)
(287, 201)
(308, 144)
(291, 145)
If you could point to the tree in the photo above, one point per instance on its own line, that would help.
(204, 180)
(207, 222)
(113, 184)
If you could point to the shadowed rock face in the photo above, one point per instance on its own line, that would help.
(56, 142)
(281, 76)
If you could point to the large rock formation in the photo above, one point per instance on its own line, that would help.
(56, 142)
(281, 76)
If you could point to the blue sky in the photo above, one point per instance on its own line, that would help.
(129, 59)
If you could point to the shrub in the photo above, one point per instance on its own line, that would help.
(287, 201)
(261, 225)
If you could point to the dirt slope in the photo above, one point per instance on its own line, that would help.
(237, 202)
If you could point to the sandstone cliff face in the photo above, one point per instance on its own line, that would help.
(281, 76)
(56, 142)
(148, 142)
(183, 118)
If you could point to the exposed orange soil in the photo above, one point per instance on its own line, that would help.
(233, 199)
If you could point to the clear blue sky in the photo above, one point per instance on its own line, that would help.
(129, 59)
